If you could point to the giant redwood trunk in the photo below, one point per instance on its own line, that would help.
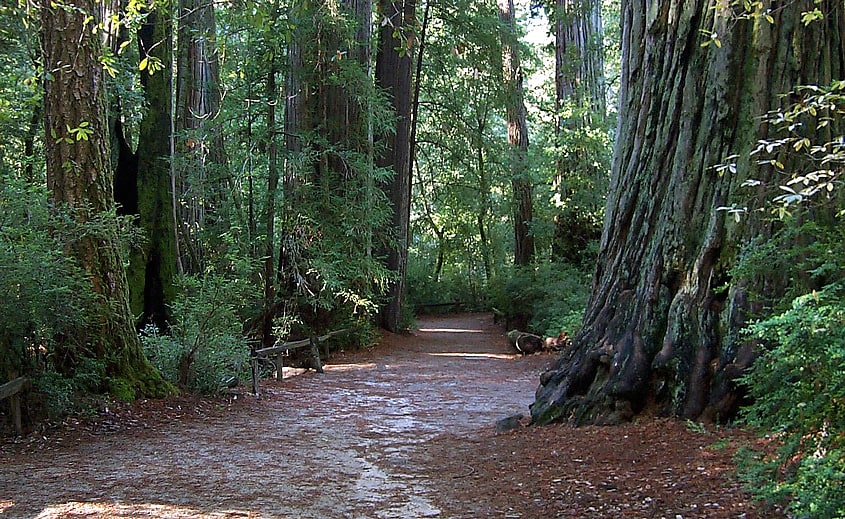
(661, 326)
(579, 55)
(79, 176)
(393, 73)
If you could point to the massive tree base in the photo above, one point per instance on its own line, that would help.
(662, 328)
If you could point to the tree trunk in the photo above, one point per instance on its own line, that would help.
(517, 137)
(660, 331)
(579, 103)
(393, 74)
(272, 184)
(79, 176)
(202, 163)
(579, 55)
(152, 270)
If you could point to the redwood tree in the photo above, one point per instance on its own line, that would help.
(661, 326)
(79, 176)
(580, 104)
(152, 271)
(393, 73)
(201, 169)
(517, 136)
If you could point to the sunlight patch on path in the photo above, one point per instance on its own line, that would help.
(448, 330)
(112, 510)
(476, 355)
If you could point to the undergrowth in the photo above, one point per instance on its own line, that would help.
(798, 387)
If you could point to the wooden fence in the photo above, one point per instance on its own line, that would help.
(277, 355)
(10, 390)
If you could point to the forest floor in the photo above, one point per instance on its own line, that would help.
(402, 430)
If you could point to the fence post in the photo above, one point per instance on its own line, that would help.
(315, 355)
(255, 376)
(280, 365)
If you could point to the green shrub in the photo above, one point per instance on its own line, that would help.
(46, 303)
(554, 295)
(798, 390)
(205, 345)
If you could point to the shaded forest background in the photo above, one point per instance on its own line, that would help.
(185, 182)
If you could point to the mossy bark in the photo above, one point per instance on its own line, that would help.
(79, 176)
(152, 271)
(661, 326)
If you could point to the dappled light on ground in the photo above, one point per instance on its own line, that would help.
(404, 430)
(119, 510)
(447, 330)
(349, 367)
(475, 355)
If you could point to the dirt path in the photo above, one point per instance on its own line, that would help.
(402, 431)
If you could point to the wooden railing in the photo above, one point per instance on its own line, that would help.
(10, 390)
(279, 351)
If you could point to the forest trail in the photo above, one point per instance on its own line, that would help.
(403, 430)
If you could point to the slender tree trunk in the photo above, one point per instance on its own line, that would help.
(483, 199)
(660, 330)
(29, 143)
(152, 271)
(272, 184)
(393, 73)
(517, 137)
(79, 176)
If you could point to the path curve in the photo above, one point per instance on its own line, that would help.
(336, 445)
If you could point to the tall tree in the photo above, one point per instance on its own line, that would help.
(580, 104)
(153, 265)
(201, 168)
(79, 176)
(332, 203)
(661, 328)
(579, 56)
(517, 136)
(272, 94)
(393, 74)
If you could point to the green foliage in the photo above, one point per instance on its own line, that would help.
(806, 256)
(47, 302)
(554, 295)
(798, 388)
(454, 285)
(807, 152)
(205, 345)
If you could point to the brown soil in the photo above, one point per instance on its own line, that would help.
(404, 430)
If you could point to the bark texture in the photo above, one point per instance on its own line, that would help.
(517, 136)
(393, 74)
(152, 270)
(79, 176)
(579, 54)
(659, 331)
(200, 175)
(580, 103)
